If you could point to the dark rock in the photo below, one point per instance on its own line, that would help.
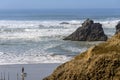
(88, 22)
(117, 28)
(64, 23)
(89, 31)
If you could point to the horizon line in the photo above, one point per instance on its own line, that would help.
(59, 8)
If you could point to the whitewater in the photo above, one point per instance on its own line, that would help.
(41, 41)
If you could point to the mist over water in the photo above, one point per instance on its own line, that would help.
(34, 38)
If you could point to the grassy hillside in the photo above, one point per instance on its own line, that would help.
(101, 62)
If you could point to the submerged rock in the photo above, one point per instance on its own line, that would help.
(101, 62)
(118, 28)
(64, 23)
(89, 31)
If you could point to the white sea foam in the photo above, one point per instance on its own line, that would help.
(109, 23)
(46, 37)
(31, 58)
(34, 29)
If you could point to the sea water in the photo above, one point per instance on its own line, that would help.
(36, 36)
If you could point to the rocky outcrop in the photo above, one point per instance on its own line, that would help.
(118, 28)
(64, 23)
(89, 31)
(101, 62)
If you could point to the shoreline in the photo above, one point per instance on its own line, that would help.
(34, 71)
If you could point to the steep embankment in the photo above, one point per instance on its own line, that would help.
(101, 62)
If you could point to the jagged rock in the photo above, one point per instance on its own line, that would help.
(89, 31)
(101, 62)
(117, 28)
(88, 22)
(64, 23)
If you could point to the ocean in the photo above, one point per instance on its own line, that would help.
(36, 36)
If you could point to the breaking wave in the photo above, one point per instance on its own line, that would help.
(27, 42)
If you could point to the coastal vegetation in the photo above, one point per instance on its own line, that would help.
(100, 62)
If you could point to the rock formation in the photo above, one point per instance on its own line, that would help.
(89, 31)
(101, 62)
(64, 23)
(117, 28)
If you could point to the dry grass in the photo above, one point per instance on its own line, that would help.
(101, 62)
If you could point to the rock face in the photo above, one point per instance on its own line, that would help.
(117, 28)
(101, 62)
(89, 31)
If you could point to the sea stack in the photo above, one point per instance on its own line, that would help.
(89, 31)
(100, 62)
(118, 28)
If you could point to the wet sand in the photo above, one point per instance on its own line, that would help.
(34, 71)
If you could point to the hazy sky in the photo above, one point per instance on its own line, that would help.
(58, 4)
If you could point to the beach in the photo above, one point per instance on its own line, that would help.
(33, 39)
(34, 71)
(36, 36)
